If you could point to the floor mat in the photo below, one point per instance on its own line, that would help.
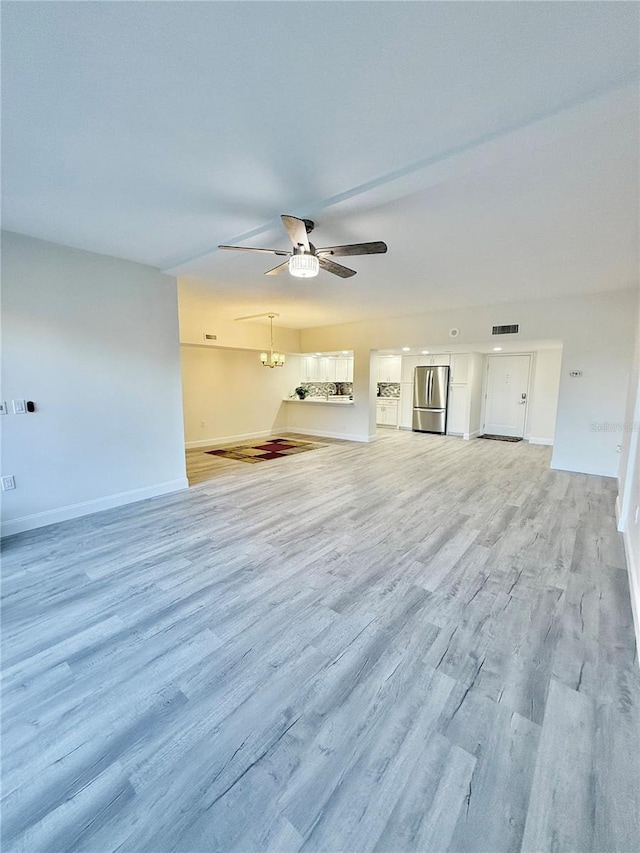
(501, 437)
(273, 448)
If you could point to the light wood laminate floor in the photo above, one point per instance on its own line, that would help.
(422, 644)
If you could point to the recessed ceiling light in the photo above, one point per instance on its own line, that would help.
(406, 349)
(497, 349)
(425, 352)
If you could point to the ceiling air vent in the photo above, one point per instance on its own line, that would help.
(506, 330)
(210, 337)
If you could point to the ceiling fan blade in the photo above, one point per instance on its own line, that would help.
(336, 269)
(375, 248)
(280, 268)
(297, 231)
(264, 251)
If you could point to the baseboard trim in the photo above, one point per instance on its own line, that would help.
(228, 439)
(317, 433)
(547, 441)
(634, 589)
(66, 513)
(612, 474)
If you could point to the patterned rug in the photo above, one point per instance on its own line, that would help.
(501, 437)
(273, 448)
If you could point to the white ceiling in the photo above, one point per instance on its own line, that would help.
(493, 146)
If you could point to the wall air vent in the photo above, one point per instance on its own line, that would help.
(506, 330)
(210, 337)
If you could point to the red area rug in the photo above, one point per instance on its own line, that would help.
(273, 448)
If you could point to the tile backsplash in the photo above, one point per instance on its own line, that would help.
(389, 389)
(321, 389)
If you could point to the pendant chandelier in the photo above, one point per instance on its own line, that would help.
(272, 358)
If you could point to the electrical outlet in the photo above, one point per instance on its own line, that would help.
(8, 483)
(19, 407)
(202, 423)
(3, 409)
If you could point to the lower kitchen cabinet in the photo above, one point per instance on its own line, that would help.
(387, 412)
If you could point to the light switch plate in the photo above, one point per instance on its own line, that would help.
(3, 409)
(19, 407)
(8, 483)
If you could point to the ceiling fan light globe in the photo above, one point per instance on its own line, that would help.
(304, 265)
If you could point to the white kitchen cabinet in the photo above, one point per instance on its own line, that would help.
(389, 368)
(436, 358)
(344, 370)
(309, 369)
(458, 410)
(405, 408)
(387, 412)
(409, 364)
(459, 368)
(326, 369)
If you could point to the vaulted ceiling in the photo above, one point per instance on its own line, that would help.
(493, 146)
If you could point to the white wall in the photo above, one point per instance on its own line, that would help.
(543, 396)
(477, 365)
(597, 332)
(628, 505)
(233, 394)
(201, 313)
(93, 341)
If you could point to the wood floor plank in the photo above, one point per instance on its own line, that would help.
(417, 644)
(562, 806)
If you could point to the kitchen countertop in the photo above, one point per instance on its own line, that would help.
(332, 401)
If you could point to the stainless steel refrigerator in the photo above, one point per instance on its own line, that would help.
(430, 398)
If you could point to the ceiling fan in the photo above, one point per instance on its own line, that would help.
(304, 261)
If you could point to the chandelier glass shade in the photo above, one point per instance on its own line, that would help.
(272, 358)
(304, 265)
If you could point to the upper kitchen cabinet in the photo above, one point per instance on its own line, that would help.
(459, 368)
(436, 358)
(326, 369)
(409, 364)
(344, 369)
(309, 369)
(389, 368)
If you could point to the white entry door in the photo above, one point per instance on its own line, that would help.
(507, 395)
